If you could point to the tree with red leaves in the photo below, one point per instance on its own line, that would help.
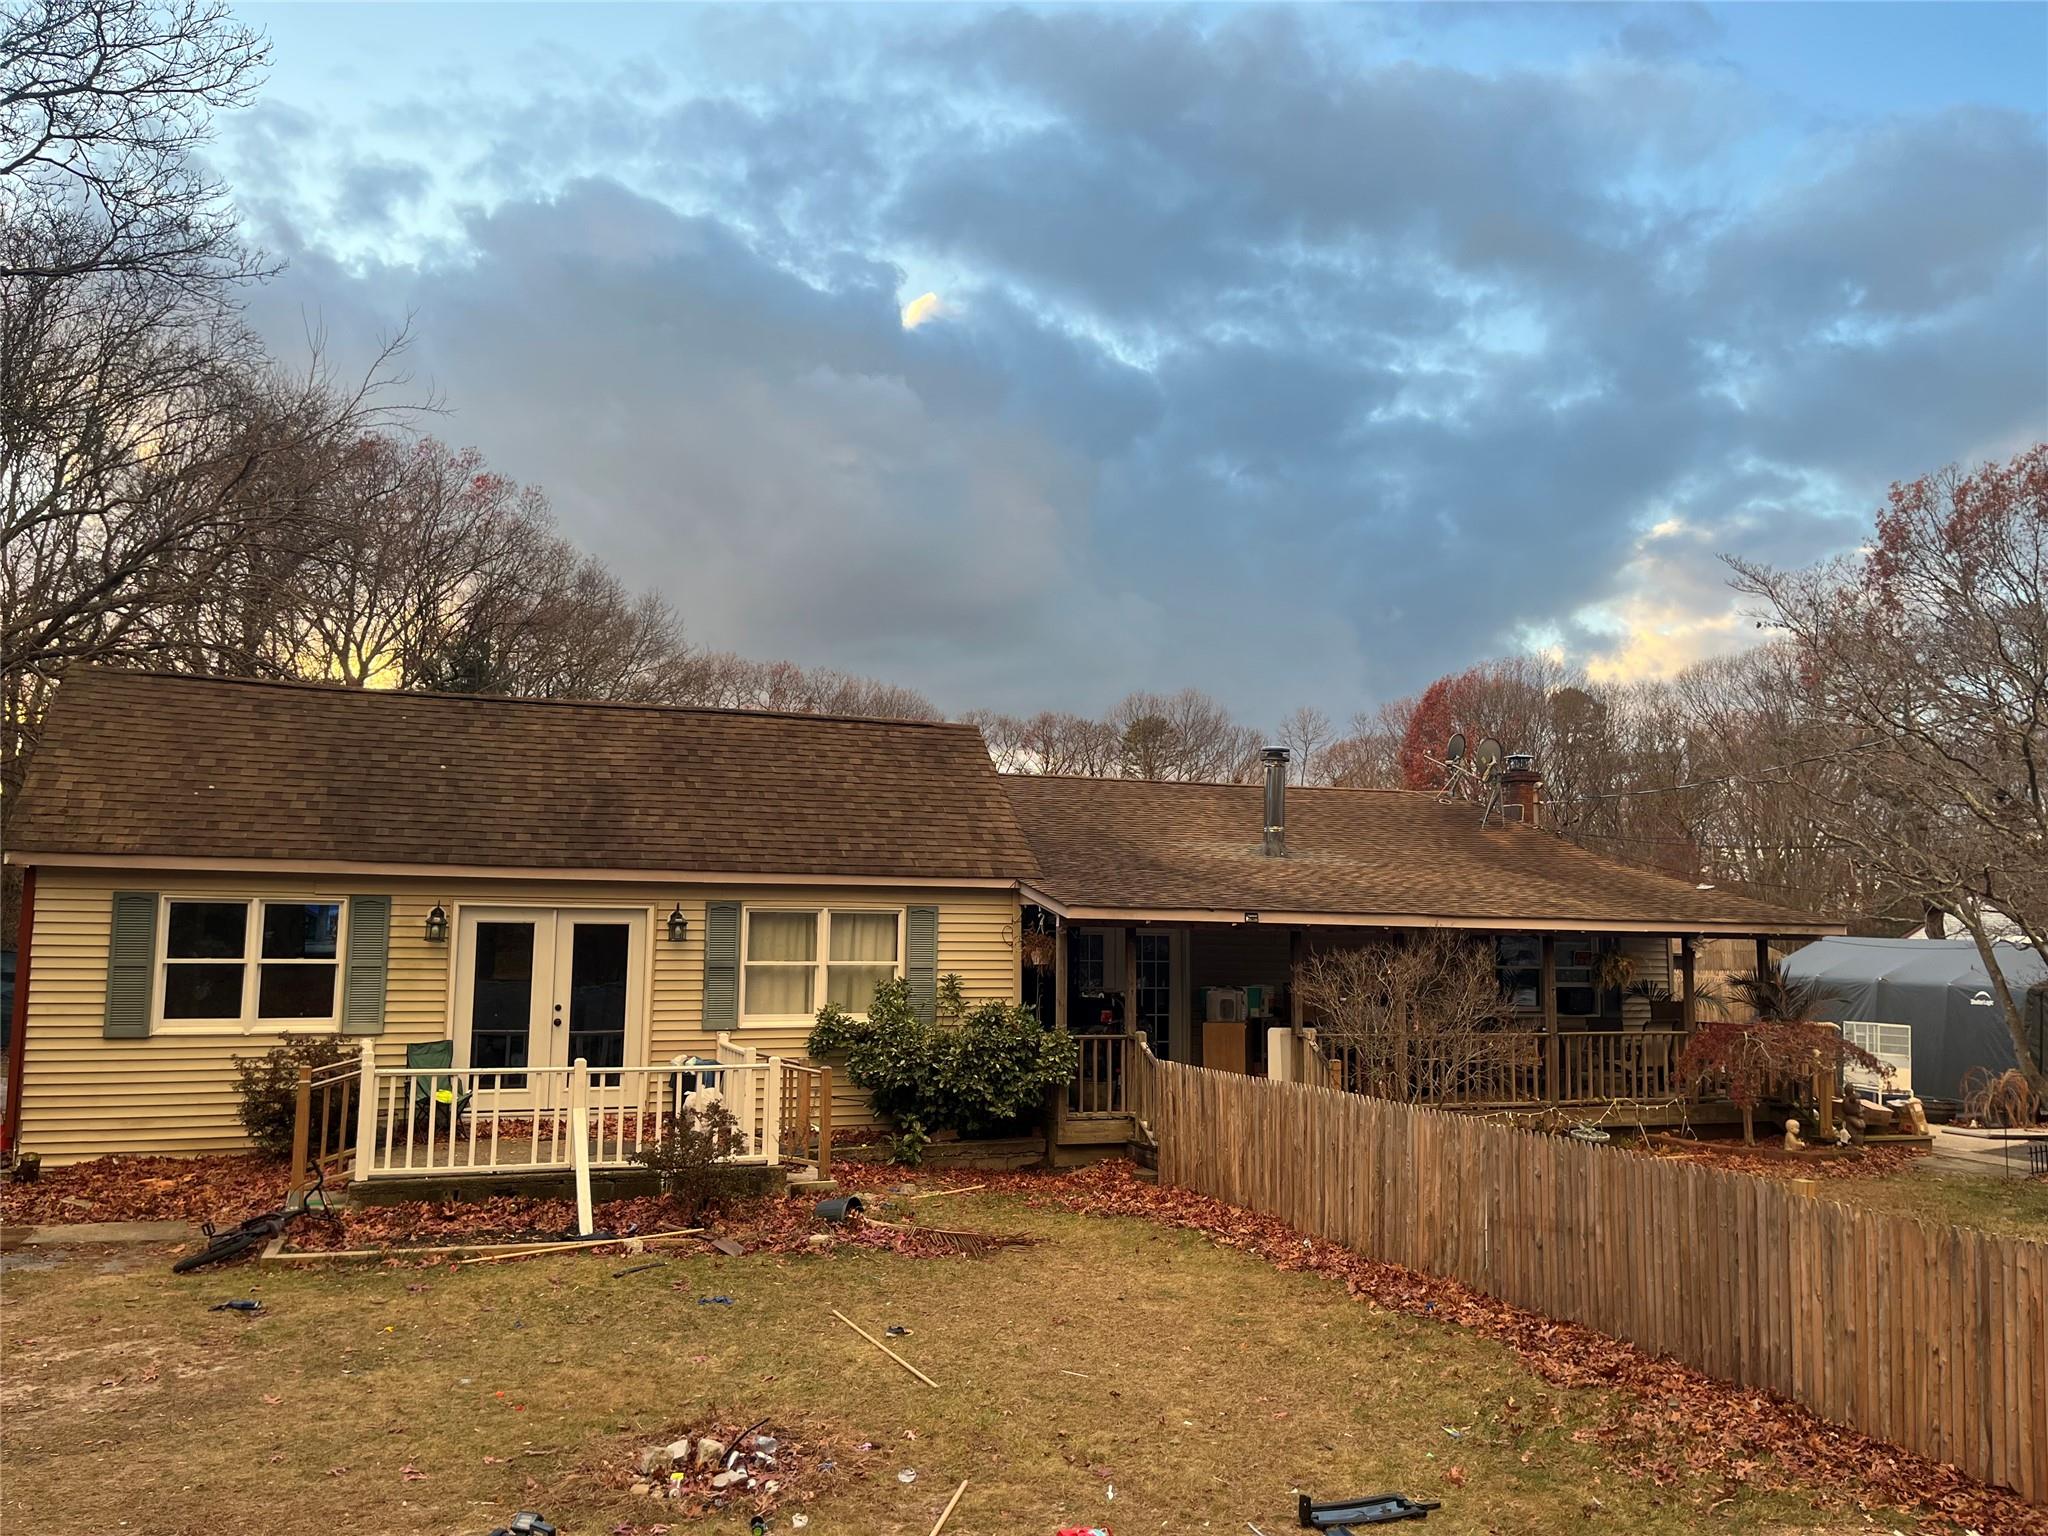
(1779, 1046)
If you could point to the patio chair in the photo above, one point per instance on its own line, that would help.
(449, 1095)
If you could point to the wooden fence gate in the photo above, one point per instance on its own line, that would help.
(1933, 1338)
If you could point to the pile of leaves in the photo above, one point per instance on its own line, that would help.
(781, 1471)
(1767, 1162)
(1667, 1421)
(225, 1189)
(758, 1226)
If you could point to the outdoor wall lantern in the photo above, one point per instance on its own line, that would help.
(678, 925)
(437, 926)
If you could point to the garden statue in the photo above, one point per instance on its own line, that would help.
(1792, 1141)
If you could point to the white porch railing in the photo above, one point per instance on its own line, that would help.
(418, 1121)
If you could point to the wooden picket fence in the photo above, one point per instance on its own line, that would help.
(1933, 1338)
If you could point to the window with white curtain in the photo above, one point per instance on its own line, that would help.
(795, 962)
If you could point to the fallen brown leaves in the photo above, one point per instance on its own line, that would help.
(223, 1188)
(762, 1226)
(1671, 1419)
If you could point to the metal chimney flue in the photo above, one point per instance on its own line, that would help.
(1276, 801)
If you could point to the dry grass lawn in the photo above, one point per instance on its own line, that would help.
(2016, 1207)
(1209, 1386)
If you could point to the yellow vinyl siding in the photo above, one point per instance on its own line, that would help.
(85, 1096)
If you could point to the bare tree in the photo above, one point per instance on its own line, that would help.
(105, 106)
(1305, 733)
(1186, 736)
(726, 680)
(1413, 1017)
(1930, 652)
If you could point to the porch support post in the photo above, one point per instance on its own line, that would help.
(1056, 1111)
(302, 1131)
(1295, 1015)
(1763, 954)
(579, 1148)
(1131, 981)
(824, 1122)
(1688, 974)
(366, 1112)
(1552, 1049)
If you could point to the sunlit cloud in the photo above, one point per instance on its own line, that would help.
(926, 306)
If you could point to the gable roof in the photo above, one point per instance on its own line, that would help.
(142, 763)
(1126, 846)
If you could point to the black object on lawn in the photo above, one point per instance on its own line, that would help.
(525, 1523)
(1381, 1509)
(839, 1209)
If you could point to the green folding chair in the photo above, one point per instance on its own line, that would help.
(448, 1096)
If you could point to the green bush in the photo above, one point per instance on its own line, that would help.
(980, 1070)
(689, 1160)
(269, 1085)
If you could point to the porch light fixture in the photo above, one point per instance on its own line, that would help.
(678, 925)
(437, 926)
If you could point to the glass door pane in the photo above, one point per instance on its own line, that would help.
(501, 1001)
(1155, 991)
(599, 971)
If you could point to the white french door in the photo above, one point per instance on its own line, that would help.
(540, 987)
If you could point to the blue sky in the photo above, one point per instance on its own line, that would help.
(1028, 357)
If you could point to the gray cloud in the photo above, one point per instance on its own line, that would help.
(1261, 367)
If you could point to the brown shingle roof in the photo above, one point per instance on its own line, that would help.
(156, 764)
(1130, 845)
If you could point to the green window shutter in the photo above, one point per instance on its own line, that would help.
(721, 966)
(131, 965)
(921, 959)
(369, 956)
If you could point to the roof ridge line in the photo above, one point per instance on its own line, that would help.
(326, 686)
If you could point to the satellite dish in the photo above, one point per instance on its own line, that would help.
(1487, 757)
(1454, 754)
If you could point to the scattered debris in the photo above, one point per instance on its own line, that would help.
(236, 1306)
(1380, 1509)
(897, 1331)
(728, 1247)
(723, 1468)
(956, 1241)
(885, 1349)
(637, 1269)
(907, 1475)
(964, 1189)
(714, 1301)
(525, 1523)
(631, 1243)
(947, 1513)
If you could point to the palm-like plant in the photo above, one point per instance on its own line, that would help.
(1778, 998)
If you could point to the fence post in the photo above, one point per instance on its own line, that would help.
(803, 1115)
(579, 1150)
(824, 1122)
(302, 1118)
(771, 1111)
(366, 1113)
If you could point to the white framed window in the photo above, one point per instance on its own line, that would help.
(235, 965)
(794, 961)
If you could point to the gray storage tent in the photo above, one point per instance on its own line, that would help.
(1937, 986)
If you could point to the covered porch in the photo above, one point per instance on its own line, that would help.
(1221, 994)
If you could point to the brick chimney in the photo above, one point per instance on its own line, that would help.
(1521, 789)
